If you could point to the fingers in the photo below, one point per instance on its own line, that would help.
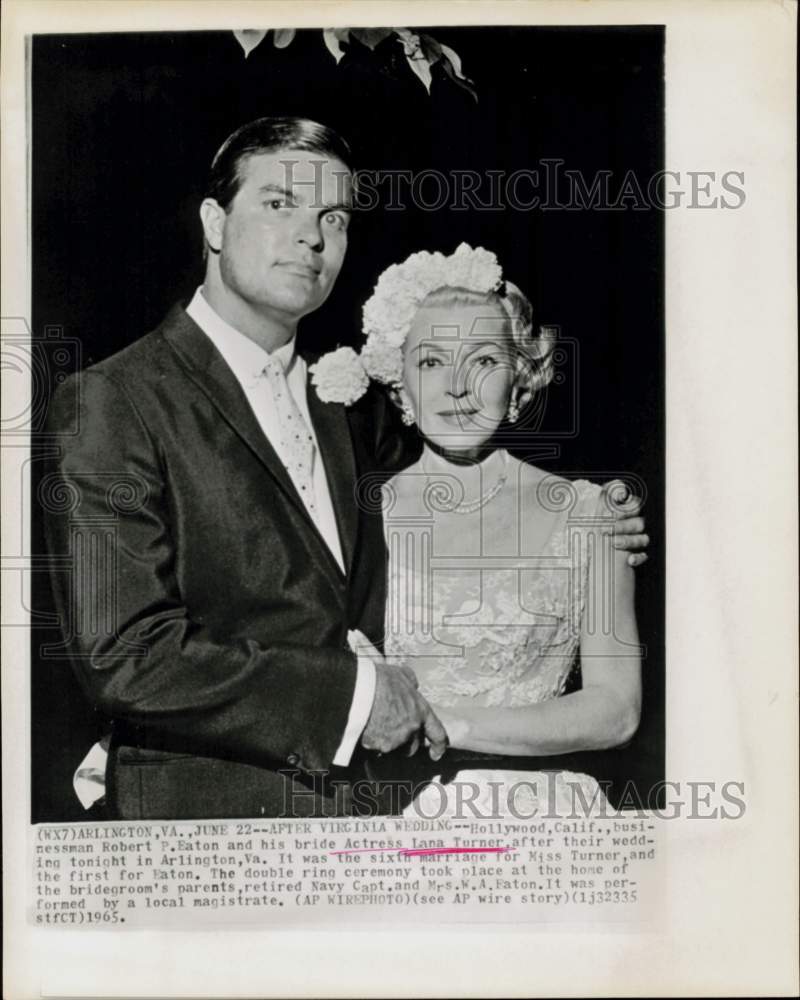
(391, 706)
(400, 715)
(632, 542)
(398, 711)
(407, 713)
(637, 559)
(629, 526)
(435, 733)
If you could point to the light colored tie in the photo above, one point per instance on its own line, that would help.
(297, 445)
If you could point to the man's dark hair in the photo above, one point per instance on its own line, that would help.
(269, 135)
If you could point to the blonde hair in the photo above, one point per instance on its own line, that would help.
(534, 346)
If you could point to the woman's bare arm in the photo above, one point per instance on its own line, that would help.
(604, 713)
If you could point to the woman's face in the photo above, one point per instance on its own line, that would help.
(459, 368)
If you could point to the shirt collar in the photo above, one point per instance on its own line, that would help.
(244, 356)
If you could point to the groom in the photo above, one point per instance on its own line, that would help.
(219, 559)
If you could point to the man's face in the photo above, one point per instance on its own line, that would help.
(283, 238)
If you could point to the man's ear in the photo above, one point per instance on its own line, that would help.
(212, 215)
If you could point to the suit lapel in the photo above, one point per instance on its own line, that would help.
(336, 450)
(206, 367)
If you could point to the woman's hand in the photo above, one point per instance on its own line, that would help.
(456, 726)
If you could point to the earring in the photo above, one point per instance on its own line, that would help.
(407, 413)
(513, 410)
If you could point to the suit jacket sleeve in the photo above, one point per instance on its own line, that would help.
(138, 652)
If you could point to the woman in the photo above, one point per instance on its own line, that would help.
(501, 576)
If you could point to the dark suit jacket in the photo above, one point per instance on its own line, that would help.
(206, 616)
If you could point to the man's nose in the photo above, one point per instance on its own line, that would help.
(309, 233)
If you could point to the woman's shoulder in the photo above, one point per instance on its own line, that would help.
(556, 493)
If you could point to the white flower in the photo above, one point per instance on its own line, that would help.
(411, 44)
(389, 313)
(339, 377)
(476, 269)
(383, 361)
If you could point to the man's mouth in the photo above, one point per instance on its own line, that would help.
(299, 268)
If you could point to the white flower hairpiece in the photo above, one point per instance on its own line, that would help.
(390, 311)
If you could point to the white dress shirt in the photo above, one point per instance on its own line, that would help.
(247, 360)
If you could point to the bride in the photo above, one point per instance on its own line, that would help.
(502, 577)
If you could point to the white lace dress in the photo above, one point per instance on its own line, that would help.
(488, 620)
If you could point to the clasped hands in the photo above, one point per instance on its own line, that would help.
(400, 715)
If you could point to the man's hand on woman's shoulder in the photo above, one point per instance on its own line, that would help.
(629, 526)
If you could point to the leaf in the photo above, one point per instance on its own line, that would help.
(460, 81)
(249, 39)
(415, 55)
(431, 48)
(283, 36)
(333, 37)
(419, 64)
(454, 59)
(371, 36)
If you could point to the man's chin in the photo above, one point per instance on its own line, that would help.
(292, 305)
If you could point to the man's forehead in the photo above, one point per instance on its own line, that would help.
(299, 171)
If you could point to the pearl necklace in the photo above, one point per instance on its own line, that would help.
(441, 495)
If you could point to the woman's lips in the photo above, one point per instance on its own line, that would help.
(457, 417)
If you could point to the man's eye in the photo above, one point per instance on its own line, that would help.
(336, 220)
(277, 203)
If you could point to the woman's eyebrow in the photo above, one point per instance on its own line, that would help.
(468, 348)
(493, 344)
(431, 346)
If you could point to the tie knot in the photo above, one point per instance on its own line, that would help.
(274, 367)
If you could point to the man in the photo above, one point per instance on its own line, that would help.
(219, 559)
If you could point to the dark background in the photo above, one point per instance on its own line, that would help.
(124, 127)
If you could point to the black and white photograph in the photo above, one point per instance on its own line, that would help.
(377, 563)
(454, 240)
